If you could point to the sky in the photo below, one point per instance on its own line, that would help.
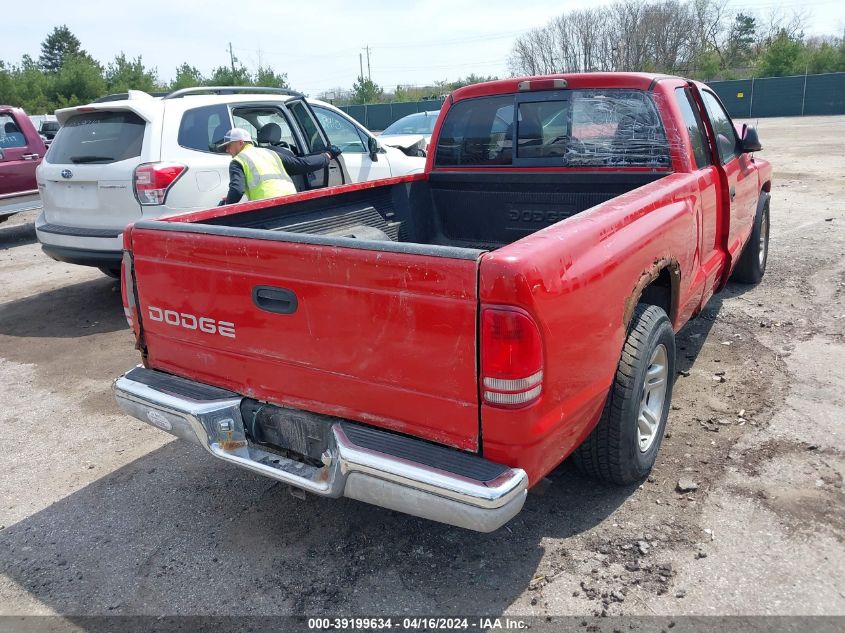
(317, 43)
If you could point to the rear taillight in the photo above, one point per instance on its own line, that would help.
(511, 358)
(154, 180)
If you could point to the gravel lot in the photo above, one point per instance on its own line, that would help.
(100, 514)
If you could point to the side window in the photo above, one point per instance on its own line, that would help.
(203, 129)
(10, 133)
(695, 129)
(308, 125)
(341, 132)
(727, 142)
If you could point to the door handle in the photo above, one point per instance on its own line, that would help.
(733, 193)
(277, 300)
(29, 156)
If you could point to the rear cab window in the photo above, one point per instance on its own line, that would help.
(577, 128)
(100, 137)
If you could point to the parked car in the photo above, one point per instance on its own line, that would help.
(48, 130)
(136, 156)
(21, 151)
(437, 343)
(412, 133)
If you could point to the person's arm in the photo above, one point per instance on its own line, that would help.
(297, 166)
(237, 183)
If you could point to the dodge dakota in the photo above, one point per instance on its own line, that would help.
(437, 343)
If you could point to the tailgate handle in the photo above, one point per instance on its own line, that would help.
(278, 300)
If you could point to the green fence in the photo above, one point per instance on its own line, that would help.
(783, 96)
(744, 99)
(377, 116)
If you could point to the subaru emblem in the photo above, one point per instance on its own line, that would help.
(67, 173)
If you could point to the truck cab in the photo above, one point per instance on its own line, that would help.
(21, 151)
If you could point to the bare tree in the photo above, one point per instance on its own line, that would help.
(629, 35)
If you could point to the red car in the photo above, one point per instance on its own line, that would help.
(21, 151)
(438, 343)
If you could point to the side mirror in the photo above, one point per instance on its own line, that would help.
(372, 145)
(2, 154)
(750, 141)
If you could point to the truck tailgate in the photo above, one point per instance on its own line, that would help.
(378, 336)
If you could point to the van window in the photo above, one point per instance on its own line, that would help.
(203, 128)
(98, 138)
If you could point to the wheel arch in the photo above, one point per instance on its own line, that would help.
(658, 286)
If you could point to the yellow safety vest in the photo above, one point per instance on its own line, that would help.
(264, 173)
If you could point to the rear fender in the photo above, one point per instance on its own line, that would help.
(647, 278)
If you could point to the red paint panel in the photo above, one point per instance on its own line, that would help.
(383, 338)
(574, 278)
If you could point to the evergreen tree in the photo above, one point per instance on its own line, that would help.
(266, 76)
(59, 46)
(187, 76)
(741, 38)
(781, 56)
(129, 74)
(366, 91)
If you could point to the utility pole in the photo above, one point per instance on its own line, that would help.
(232, 59)
(369, 73)
(361, 64)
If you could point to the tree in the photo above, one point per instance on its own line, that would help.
(225, 76)
(781, 56)
(187, 76)
(741, 38)
(31, 87)
(266, 76)
(59, 46)
(79, 80)
(129, 74)
(365, 90)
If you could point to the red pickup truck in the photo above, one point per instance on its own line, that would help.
(438, 343)
(21, 151)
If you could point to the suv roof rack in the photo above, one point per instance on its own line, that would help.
(123, 96)
(228, 90)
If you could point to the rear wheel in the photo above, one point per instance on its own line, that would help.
(752, 263)
(114, 273)
(623, 447)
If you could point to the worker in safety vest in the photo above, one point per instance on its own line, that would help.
(265, 173)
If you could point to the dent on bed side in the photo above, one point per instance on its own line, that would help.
(647, 278)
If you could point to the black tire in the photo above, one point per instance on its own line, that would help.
(114, 273)
(612, 452)
(752, 263)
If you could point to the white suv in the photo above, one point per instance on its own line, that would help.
(133, 156)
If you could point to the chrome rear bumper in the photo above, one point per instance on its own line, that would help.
(361, 463)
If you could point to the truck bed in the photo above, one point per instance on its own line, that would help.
(478, 210)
